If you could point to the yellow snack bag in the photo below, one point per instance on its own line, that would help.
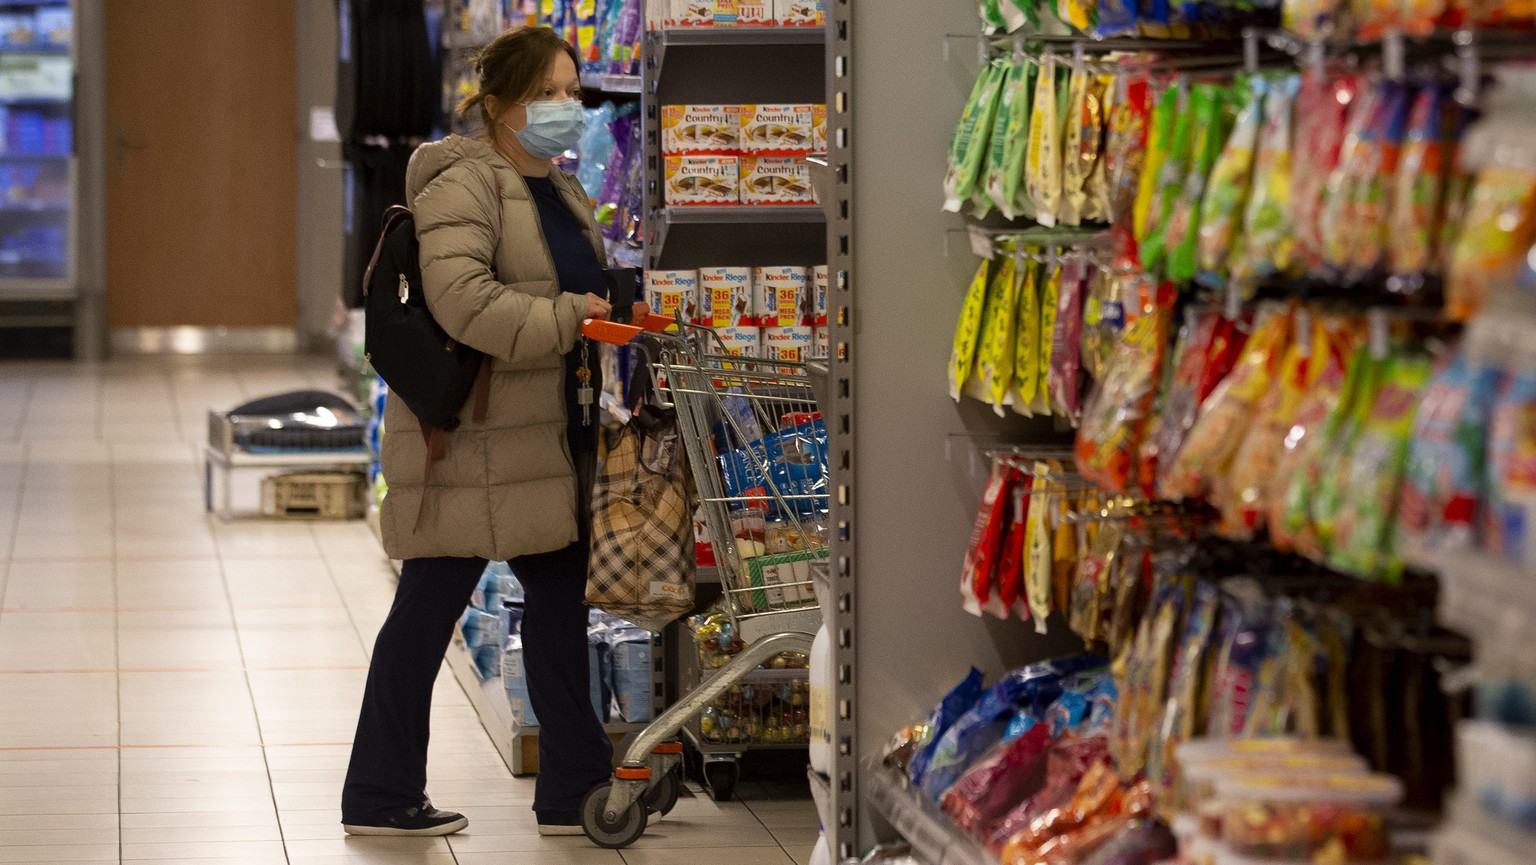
(1050, 290)
(1039, 576)
(1042, 176)
(1074, 173)
(967, 330)
(995, 355)
(1026, 366)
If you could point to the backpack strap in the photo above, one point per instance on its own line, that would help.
(392, 217)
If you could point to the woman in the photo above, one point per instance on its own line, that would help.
(511, 264)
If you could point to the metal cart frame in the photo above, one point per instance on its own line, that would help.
(715, 393)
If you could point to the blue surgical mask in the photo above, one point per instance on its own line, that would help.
(554, 126)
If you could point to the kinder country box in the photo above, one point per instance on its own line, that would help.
(668, 291)
(777, 129)
(700, 129)
(755, 13)
(777, 295)
(799, 13)
(688, 13)
(725, 297)
(702, 180)
(776, 180)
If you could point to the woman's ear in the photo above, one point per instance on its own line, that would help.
(494, 106)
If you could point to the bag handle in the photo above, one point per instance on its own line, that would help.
(392, 217)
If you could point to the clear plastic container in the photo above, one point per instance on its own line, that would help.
(1298, 818)
(1199, 780)
(1196, 754)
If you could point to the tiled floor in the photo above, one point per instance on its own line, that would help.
(176, 689)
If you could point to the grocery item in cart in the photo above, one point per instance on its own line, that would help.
(702, 180)
(1309, 819)
(725, 297)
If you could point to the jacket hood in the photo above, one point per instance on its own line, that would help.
(435, 157)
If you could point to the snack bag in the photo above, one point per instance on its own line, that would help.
(1211, 117)
(1244, 495)
(1325, 500)
(1334, 344)
(1026, 363)
(1225, 417)
(1146, 680)
(1042, 165)
(1115, 18)
(1064, 376)
(1340, 194)
(992, 379)
(1419, 197)
(1246, 617)
(1370, 211)
(1179, 403)
(1015, 201)
(1444, 481)
(1050, 293)
(1009, 774)
(968, 331)
(1369, 511)
(1268, 235)
(1038, 575)
(1099, 561)
(1509, 530)
(1221, 212)
(1064, 548)
(1103, 321)
(1458, 189)
(972, 135)
(1125, 147)
(1010, 568)
(1080, 15)
(1070, 759)
(955, 704)
(1005, 155)
(1074, 172)
(1115, 416)
(1096, 203)
(1499, 228)
(1322, 109)
(1145, 209)
(981, 557)
(1172, 174)
(1182, 712)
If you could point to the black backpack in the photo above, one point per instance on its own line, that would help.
(432, 373)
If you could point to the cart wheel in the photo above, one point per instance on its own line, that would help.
(615, 835)
(662, 798)
(720, 776)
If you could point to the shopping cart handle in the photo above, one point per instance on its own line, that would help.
(658, 323)
(610, 331)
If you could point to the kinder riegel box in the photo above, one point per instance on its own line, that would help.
(725, 297)
(702, 180)
(700, 129)
(669, 291)
(821, 343)
(777, 129)
(816, 309)
(776, 180)
(741, 341)
(755, 13)
(819, 129)
(787, 343)
(799, 13)
(777, 294)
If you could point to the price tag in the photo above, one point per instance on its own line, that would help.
(981, 243)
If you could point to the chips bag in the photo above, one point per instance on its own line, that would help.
(981, 557)
(992, 379)
(1042, 165)
(1221, 212)
(1064, 376)
(1209, 105)
(1147, 208)
(1326, 500)
(1499, 228)
(1026, 364)
(1419, 197)
(1172, 174)
(1268, 235)
(1012, 112)
(1509, 530)
(968, 331)
(1125, 146)
(968, 148)
(1050, 293)
(1322, 111)
(1115, 416)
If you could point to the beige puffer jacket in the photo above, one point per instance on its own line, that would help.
(506, 487)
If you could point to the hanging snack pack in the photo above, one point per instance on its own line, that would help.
(1339, 195)
(1042, 165)
(1209, 106)
(1323, 501)
(1005, 156)
(1500, 226)
(1172, 173)
(968, 330)
(1509, 529)
(1145, 211)
(981, 557)
(1063, 378)
(1037, 555)
(967, 151)
(1322, 112)
(1125, 147)
(992, 379)
(1026, 366)
(1244, 495)
(1226, 198)
(1268, 234)
(1050, 292)
(1116, 413)
(1419, 198)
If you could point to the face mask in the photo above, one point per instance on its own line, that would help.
(554, 126)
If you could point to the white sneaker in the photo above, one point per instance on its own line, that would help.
(557, 830)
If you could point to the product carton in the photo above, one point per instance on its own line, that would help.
(799, 13)
(776, 180)
(777, 129)
(702, 180)
(700, 129)
(819, 129)
(755, 13)
(688, 13)
(671, 291)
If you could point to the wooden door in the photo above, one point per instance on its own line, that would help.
(201, 163)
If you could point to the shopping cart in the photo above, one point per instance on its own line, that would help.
(756, 445)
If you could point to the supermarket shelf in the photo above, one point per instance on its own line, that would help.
(489, 697)
(37, 289)
(1480, 594)
(675, 36)
(616, 83)
(742, 214)
(934, 839)
(1470, 837)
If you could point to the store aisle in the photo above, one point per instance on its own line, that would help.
(174, 689)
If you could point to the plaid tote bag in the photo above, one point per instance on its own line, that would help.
(643, 553)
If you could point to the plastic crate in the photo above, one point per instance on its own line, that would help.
(313, 496)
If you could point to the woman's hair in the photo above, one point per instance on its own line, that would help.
(513, 66)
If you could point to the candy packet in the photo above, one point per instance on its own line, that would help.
(1419, 197)
(1103, 321)
(1145, 681)
(1369, 214)
(1026, 362)
(1009, 774)
(1042, 164)
(954, 705)
(1094, 570)
(1208, 104)
(1064, 548)
(1221, 212)
(1444, 481)
(1115, 18)
(1038, 574)
(1369, 511)
(1246, 617)
(968, 330)
(1322, 111)
(1005, 154)
(1172, 173)
(972, 135)
(1064, 373)
(1069, 760)
(1500, 226)
(1226, 415)
(978, 572)
(1073, 176)
(1115, 415)
(1050, 294)
(1080, 15)
(992, 378)
(1267, 234)
(1176, 405)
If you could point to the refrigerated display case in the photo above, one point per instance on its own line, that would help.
(38, 173)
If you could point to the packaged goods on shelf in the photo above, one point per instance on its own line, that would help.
(701, 129)
(702, 180)
(818, 301)
(799, 13)
(726, 297)
(776, 180)
(778, 295)
(742, 341)
(755, 13)
(779, 129)
(672, 291)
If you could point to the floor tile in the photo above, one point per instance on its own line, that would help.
(773, 855)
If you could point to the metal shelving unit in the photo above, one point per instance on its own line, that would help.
(934, 838)
(620, 84)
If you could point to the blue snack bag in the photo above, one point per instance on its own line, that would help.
(959, 699)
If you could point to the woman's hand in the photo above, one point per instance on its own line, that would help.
(641, 310)
(597, 307)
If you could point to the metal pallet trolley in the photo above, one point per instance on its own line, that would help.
(762, 414)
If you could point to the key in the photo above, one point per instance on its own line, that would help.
(584, 398)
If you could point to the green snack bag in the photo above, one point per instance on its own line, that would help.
(1170, 179)
(968, 140)
(1011, 201)
(1014, 100)
(1221, 213)
(1328, 500)
(968, 330)
(1159, 139)
(1184, 225)
(991, 12)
